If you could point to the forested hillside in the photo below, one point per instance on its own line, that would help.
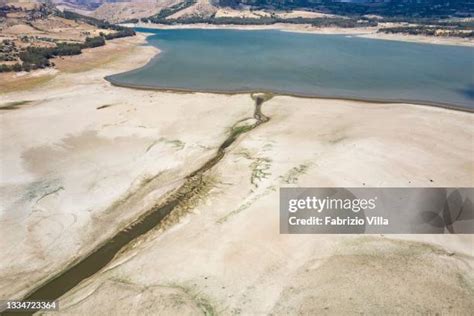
(32, 33)
(407, 8)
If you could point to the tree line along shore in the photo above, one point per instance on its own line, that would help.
(25, 53)
(414, 18)
(39, 57)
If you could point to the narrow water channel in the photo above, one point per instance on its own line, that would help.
(99, 258)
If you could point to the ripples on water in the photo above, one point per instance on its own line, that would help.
(307, 64)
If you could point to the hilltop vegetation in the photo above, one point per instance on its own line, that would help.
(275, 11)
(319, 22)
(116, 11)
(32, 35)
(390, 8)
(415, 17)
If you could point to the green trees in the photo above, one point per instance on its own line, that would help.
(175, 8)
(121, 33)
(322, 22)
(428, 31)
(38, 57)
(93, 42)
(385, 8)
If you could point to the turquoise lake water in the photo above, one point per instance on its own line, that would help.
(307, 64)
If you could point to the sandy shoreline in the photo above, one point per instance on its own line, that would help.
(106, 154)
(289, 94)
(367, 32)
(89, 59)
(436, 40)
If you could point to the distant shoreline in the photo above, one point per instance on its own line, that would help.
(368, 32)
(136, 147)
(118, 83)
